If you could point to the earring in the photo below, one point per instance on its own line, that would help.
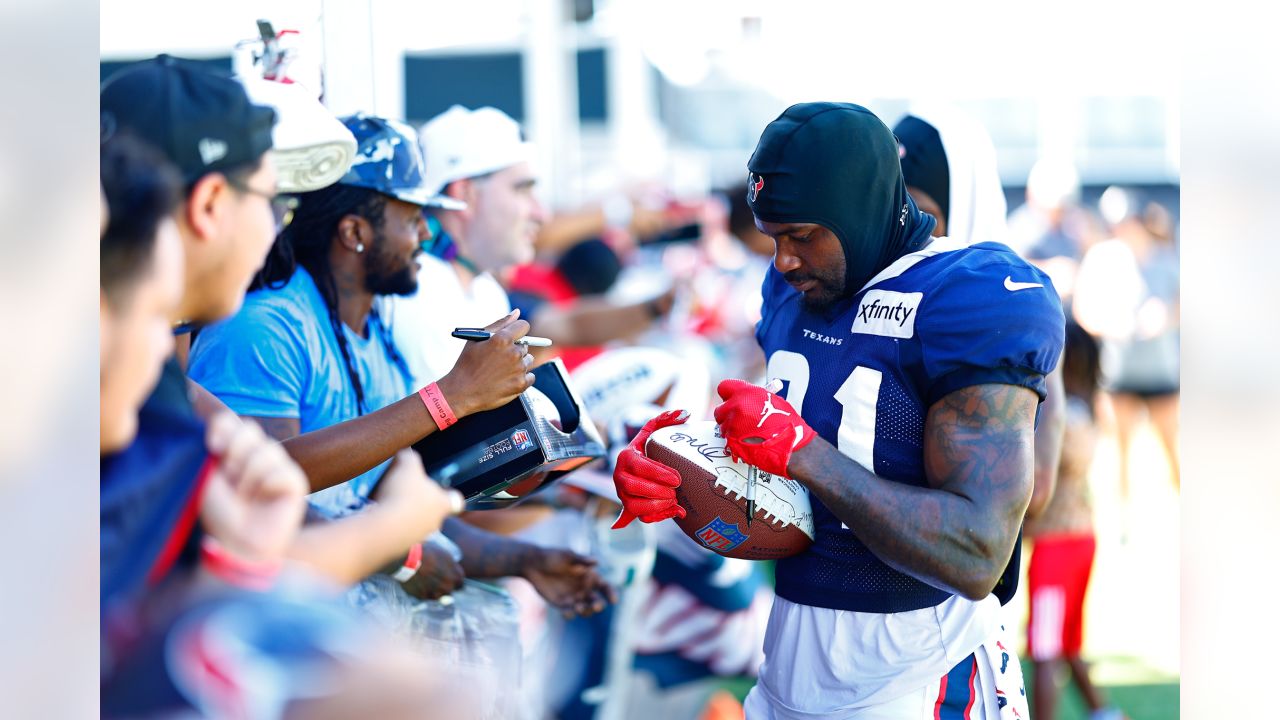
(359, 247)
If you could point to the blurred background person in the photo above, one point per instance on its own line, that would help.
(1052, 229)
(722, 301)
(622, 219)
(570, 302)
(479, 171)
(949, 163)
(1127, 294)
(1063, 546)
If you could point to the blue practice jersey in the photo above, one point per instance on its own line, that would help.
(865, 373)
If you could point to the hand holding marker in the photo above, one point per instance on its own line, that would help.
(477, 335)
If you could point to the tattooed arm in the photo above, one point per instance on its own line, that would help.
(959, 532)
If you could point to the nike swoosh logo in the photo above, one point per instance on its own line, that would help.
(1012, 286)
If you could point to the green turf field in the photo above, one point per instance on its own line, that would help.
(1143, 693)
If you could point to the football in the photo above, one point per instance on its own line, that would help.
(713, 492)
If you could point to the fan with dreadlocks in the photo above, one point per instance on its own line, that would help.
(310, 357)
(315, 301)
(307, 242)
(312, 348)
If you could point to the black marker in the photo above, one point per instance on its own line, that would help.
(476, 335)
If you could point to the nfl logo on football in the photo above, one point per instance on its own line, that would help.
(520, 439)
(720, 535)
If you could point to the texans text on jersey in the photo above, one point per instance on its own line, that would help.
(822, 338)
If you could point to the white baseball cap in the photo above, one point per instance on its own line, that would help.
(311, 148)
(460, 143)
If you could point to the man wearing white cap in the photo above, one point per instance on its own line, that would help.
(486, 217)
(479, 168)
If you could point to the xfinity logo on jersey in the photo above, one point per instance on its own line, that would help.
(887, 313)
(811, 335)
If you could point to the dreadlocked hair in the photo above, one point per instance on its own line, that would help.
(306, 242)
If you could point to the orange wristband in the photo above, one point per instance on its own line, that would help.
(437, 406)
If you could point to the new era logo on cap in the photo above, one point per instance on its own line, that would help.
(212, 150)
(201, 120)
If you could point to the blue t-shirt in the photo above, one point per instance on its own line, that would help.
(865, 373)
(278, 357)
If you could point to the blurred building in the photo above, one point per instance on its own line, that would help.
(626, 91)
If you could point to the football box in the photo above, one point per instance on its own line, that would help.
(501, 456)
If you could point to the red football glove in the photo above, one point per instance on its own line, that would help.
(760, 428)
(646, 487)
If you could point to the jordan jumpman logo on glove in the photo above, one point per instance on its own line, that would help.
(768, 410)
(760, 428)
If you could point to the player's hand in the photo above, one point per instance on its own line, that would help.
(406, 490)
(439, 574)
(568, 581)
(646, 487)
(759, 427)
(492, 372)
(254, 500)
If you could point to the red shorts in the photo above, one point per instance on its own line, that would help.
(1057, 580)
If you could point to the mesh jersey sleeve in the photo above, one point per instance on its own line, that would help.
(254, 361)
(770, 297)
(998, 322)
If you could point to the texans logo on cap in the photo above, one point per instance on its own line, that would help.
(755, 184)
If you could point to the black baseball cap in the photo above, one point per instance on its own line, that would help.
(204, 122)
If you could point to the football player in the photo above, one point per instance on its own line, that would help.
(912, 371)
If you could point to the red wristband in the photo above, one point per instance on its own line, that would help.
(437, 406)
(251, 575)
(411, 564)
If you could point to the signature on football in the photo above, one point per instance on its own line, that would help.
(705, 449)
